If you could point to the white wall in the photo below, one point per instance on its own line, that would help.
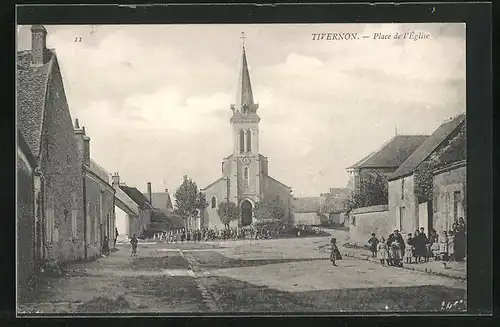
(122, 221)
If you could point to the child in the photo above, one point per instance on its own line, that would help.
(443, 246)
(396, 253)
(134, 242)
(373, 245)
(410, 249)
(335, 253)
(382, 253)
(451, 245)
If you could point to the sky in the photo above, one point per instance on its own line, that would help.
(155, 99)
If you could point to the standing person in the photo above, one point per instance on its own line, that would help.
(334, 252)
(426, 247)
(410, 249)
(373, 241)
(396, 252)
(417, 246)
(382, 253)
(105, 245)
(460, 240)
(390, 239)
(401, 242)
(116, 237)
(433, 240)
(443, 246)
(451, 245)
(183, 236)
(134, 242)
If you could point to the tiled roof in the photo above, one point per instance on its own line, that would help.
(136, 196)
(31, 92)
(428, 147)
(161, 201)
(394, 152)
(307, 204)
(25, 149)
(358, 163)
(99, 171)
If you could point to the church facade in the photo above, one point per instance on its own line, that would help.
(245, 179)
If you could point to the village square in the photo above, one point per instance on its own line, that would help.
(392, 239)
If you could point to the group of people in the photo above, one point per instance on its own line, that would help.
(206, 234)
(449, 245)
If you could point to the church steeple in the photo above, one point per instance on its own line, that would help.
(244, 96)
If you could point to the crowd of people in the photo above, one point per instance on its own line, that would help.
(206, 234)
(418, 247)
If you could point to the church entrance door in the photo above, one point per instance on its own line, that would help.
(246, 213)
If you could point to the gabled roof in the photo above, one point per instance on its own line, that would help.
(136, 196)
(306, 204)
(99, 171)
(428, 147)
(161, 201)
(393, 153)
(31, 93)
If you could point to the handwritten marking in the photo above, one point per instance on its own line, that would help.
(78, 39)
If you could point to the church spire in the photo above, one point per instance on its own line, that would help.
(244, 97)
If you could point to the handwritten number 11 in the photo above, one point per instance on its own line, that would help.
(78, 39)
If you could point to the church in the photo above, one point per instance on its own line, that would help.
(245, 179)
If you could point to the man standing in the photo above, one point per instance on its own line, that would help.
(116, 237)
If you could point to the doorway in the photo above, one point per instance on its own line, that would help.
(246, 213)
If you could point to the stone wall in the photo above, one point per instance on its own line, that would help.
(273, 189)
(403, 204)
(63, 180)
(368, 220)
(449, 196)
(25, 221)
(218, 190)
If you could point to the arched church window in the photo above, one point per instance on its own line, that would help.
(278, 199)
(214, 202)
(249, 141)
(242, 141)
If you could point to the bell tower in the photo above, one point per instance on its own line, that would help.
(245, 129)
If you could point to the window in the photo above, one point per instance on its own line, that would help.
(214, 202)
(74, 222)
(222, 167)
(401, 218)
(245, 174)
(402, 189)
(50, 225)
(249, 141)
(278, 199)
(242, 141)
(354, 220)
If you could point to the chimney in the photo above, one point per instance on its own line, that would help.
(86, 148)
(169, 201)
(80, 143)
(149, 193)
(115, 178)
(38, 45)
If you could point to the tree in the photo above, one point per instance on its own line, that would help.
(227, 211)
(269, 211)
(189, 201)
(372, 191)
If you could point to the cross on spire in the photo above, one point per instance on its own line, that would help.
(243, 37)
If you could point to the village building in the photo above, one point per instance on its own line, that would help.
(384, 161)
(44, 121)
(25, 239)
(408, 208)
(126, 210)
(245, 179)
(333, 204)
(99, 199)
(307, 211)
(163, 202)
(139, 225)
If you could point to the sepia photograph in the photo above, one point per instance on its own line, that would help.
(241, 168)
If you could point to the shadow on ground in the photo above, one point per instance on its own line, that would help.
(215, 260)
(240, 296)
(164, 262)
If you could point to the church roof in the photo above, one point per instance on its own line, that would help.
(244, 95)
(393, 153)
(439, 136)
